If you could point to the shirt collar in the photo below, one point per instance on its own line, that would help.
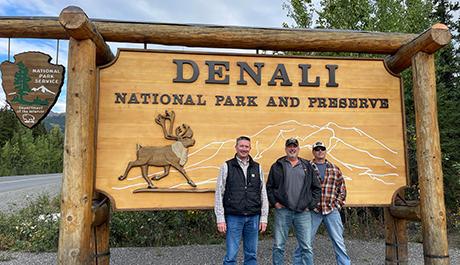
(289, 161)
(244, 162)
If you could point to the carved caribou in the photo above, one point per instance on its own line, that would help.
(174, 155)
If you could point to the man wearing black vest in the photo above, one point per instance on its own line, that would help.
(241, 204)
(293, 190)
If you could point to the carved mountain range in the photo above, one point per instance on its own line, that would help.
(42, 89)
(357, 153)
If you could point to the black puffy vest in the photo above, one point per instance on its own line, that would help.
(242, 197)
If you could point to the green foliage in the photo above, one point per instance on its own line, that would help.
(417, 15)
(448, 88)
(26, 151)
(34, 228)
(409, 16)
(8, 124)
(345, 14)
(363, 222)
(380, 15)
(301, 11)
(388, 16)
(163, 228)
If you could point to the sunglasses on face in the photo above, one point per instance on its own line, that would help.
(319, 148)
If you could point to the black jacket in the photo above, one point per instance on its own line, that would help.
(277, 191)
(243, 195)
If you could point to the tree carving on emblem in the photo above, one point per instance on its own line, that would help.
(173, 155)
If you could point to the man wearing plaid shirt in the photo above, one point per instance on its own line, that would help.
(333, 194)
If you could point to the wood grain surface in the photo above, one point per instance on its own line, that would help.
(365, 137)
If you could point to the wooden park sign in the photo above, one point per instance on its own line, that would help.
(168, 120)
(32, 85)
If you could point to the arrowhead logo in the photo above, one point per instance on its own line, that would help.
(32, 85)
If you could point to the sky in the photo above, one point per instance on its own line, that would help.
(250, 13)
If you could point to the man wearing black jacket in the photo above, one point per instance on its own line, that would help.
(293, 190)
(241, 204)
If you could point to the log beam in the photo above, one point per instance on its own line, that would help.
(212, 36)
(255, 38)
(32, 27)
(432, 208)
(79, 155)
(428, 42)
(411, 213)
(79, 27)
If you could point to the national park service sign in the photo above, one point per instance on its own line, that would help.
(32, 85)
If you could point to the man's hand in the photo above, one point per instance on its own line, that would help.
(262, 227)
(278, 205)
(222, 227)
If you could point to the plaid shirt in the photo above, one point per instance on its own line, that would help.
(333, 190)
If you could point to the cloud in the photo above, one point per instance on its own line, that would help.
(60, 106)
(255, 13)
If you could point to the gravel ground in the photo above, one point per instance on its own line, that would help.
(361, 252)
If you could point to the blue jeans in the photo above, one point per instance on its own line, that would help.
(284, 218)
(248, 227)
(334, 228)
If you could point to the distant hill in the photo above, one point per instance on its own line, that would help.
(54, 119)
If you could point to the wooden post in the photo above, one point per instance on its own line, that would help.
(101, 244)
(395, 239)
(433, 212)
(78, 177)
(100, 235)
(83, 32)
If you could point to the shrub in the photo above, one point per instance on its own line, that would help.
(33, 228)
(163, 228)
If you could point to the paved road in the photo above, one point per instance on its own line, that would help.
(17, 183)
(17, 191)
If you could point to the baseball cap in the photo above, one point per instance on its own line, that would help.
(318, 144)
(292, 141)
